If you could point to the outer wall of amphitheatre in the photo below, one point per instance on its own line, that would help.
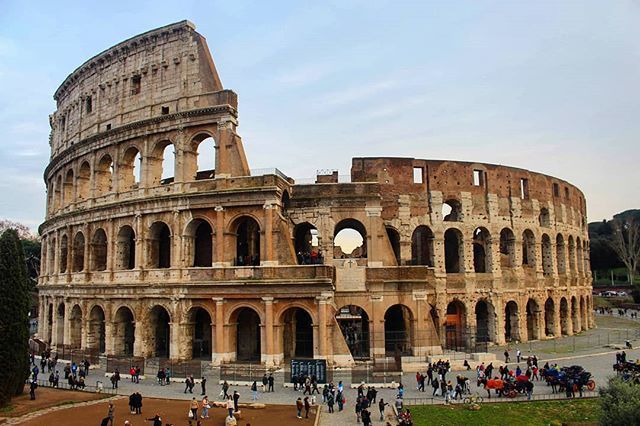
(152, 248)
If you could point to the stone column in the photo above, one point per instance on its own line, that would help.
(498, 307)
(269, 349)
(54, 327)
(219, 240)
(139, 242)
(219, 355)
(66, 327)
(109, 337)
(322, 326)
(138, 338)
(268, 235)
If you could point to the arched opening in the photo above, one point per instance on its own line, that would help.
(83, 182)
(68, 188)
(64, 250)
(583, 313)
(572, 255)
(124, 330)
(349, 240)
(307, 244)
(247, 335)
(286, 201)
(205, 147)
(168, 164)
(57, 197)
(453, 251)
(297, 337)
(580, 256)
(575, 315)
(104, 176)
(547, 256)
(511, 322)
(481, 250)
(422, 252)
(161, 163)
(75, 327)
(60, 324)
(394, 240)
(485, 322)
(50, 322)
(160, 332)
(95, 332)
(159, 246)
(528, 249)
(549, 318)
(545, 218)
(247, 242)
(452, 211)
(99, 250)
(435, 317)
(533, 315)
(354, 324)
(78, 252)
(560, 254)
(126, 248)
(397, 331)
(507, 248)
(565, 319)
(130, 169)
(202, 244)
(52, 256)
(201, 338)
(456, 325)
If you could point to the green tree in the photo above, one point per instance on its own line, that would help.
(620, 403)
(14, 310)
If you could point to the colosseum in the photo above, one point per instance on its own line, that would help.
(154, 249)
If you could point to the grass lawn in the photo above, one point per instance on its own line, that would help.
(578, 411)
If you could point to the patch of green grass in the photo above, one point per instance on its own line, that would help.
(578, 411)
(7, 409)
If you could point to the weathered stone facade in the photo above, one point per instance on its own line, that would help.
(138, 259)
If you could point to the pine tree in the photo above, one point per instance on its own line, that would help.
(14, 319)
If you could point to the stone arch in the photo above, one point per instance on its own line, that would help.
(204, 148)
(452, 210)
(575, 315)
(52, 256)
(547, 255)
(96, 330)
(507, 248)
(124, 325)
(549, 317)
(561, 254)
(75, 327)
(481, 250)
(511, 321)
(83, 182)
(297, 333)
(456, 325)
(64, 252)
(50, 322)
(103, 176)
(245, 334)
(306, 242)
(353, 321)
(528, 249)
(77, 263)
(580, 256)
(246, 230)
(199, 243)
(126, 248)
(159, 245)
(565, 318)
(99, 250)
(160, 172)
(129, 169)
(572, 254)
(285, 201)
(394, 241)
(57, 197)
(199, 333)
(533, 319)
(60, 317)
(159, 332)
(345, 235)
(422, 252)
(485, 321)
(453, 251)
(69, 186)
(398, 330)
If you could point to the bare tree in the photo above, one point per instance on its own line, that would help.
(626, 244)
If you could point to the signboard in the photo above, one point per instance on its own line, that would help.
(310, 367)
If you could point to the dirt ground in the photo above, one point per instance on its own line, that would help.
(172, 412)
(45, 398)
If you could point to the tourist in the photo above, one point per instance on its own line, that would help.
(330, 402)
(381, 405)
(307, 406)
(138, 403)
(56, 379)
(157, 420)
(518, 355)
(32, 390)
(358, 408)
(111, 413)
(230, 405)
(366, 417)
(254, 391)
(265, 381)
(506, 356)
(435, 385)
(236, 398)
(132, 403)
(299, 406)
(225, 389)
(205, 407)
(340, 400)
(194, 408)
(34, 372)
(271, 380)
(138, 371)
(203, 385)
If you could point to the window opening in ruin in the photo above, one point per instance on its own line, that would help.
(349, 240)
(397, 331)
(481, 250)
(52, 256)
(89, 105)
(478, 178)
(126, 248)
(455, 326)
(511, 322)
(556, 190)
(168, 164)
(507, 248)
(297, 334)
(524, 189)
(533, 328)
(137, 168)
(201, 345)
(528, 249)
(247, 242)
(547, 258)
(96, 330)
(63, 123)
(165, 110)
(203, 244)
(247, 334)
(572, 254)
(549, 317)
(109, 126)
(422, 246)
(417, 175)
(160, 246)
(64, 250)
(77, 264)
(580, 256)
(452, 211)
(136, 84)
(285, 201)
(566, 193)
(130, 169)
(307, 244)
(160, 332)
(394, 240)
(354, 324)
(485, 322)
(99, 250)
(83, 181)
(545, 217)
(104, 176)
(206, 160)
(453, 254)
(125, 331)
(560, 254)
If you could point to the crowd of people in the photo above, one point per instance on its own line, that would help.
(310, 258)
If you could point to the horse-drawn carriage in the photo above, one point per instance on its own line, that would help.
(575, 374)
(628, 371)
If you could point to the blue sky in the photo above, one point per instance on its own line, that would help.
(547, 86)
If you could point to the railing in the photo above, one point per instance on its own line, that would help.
(124, 364)
(76, 355)
(244, 373)
(496, 399)
(99, 387)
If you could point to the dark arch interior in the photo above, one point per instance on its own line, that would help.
(160, 253)
(422, 246)
(455, 325)
(99, 248)
(96, 331)
(452, 211)
(397, 326)
(354, 324)
(394, 240)
(480, 249)
(452, 244)
(507, 248)
(161, 332)
(203, 245)
(306, 244)
(511, 324)
(482, 322)
(248, 335)
(125, 332)
(78, 252)
(549, 319)
(248, 242)
(201, 334)
(126, 255)
(298, 334)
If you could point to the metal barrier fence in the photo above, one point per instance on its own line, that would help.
(124, 364)
(180, 369)
(246, 373)
(581, 342)
(99, 387)
(76, 355)
(495, 399)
